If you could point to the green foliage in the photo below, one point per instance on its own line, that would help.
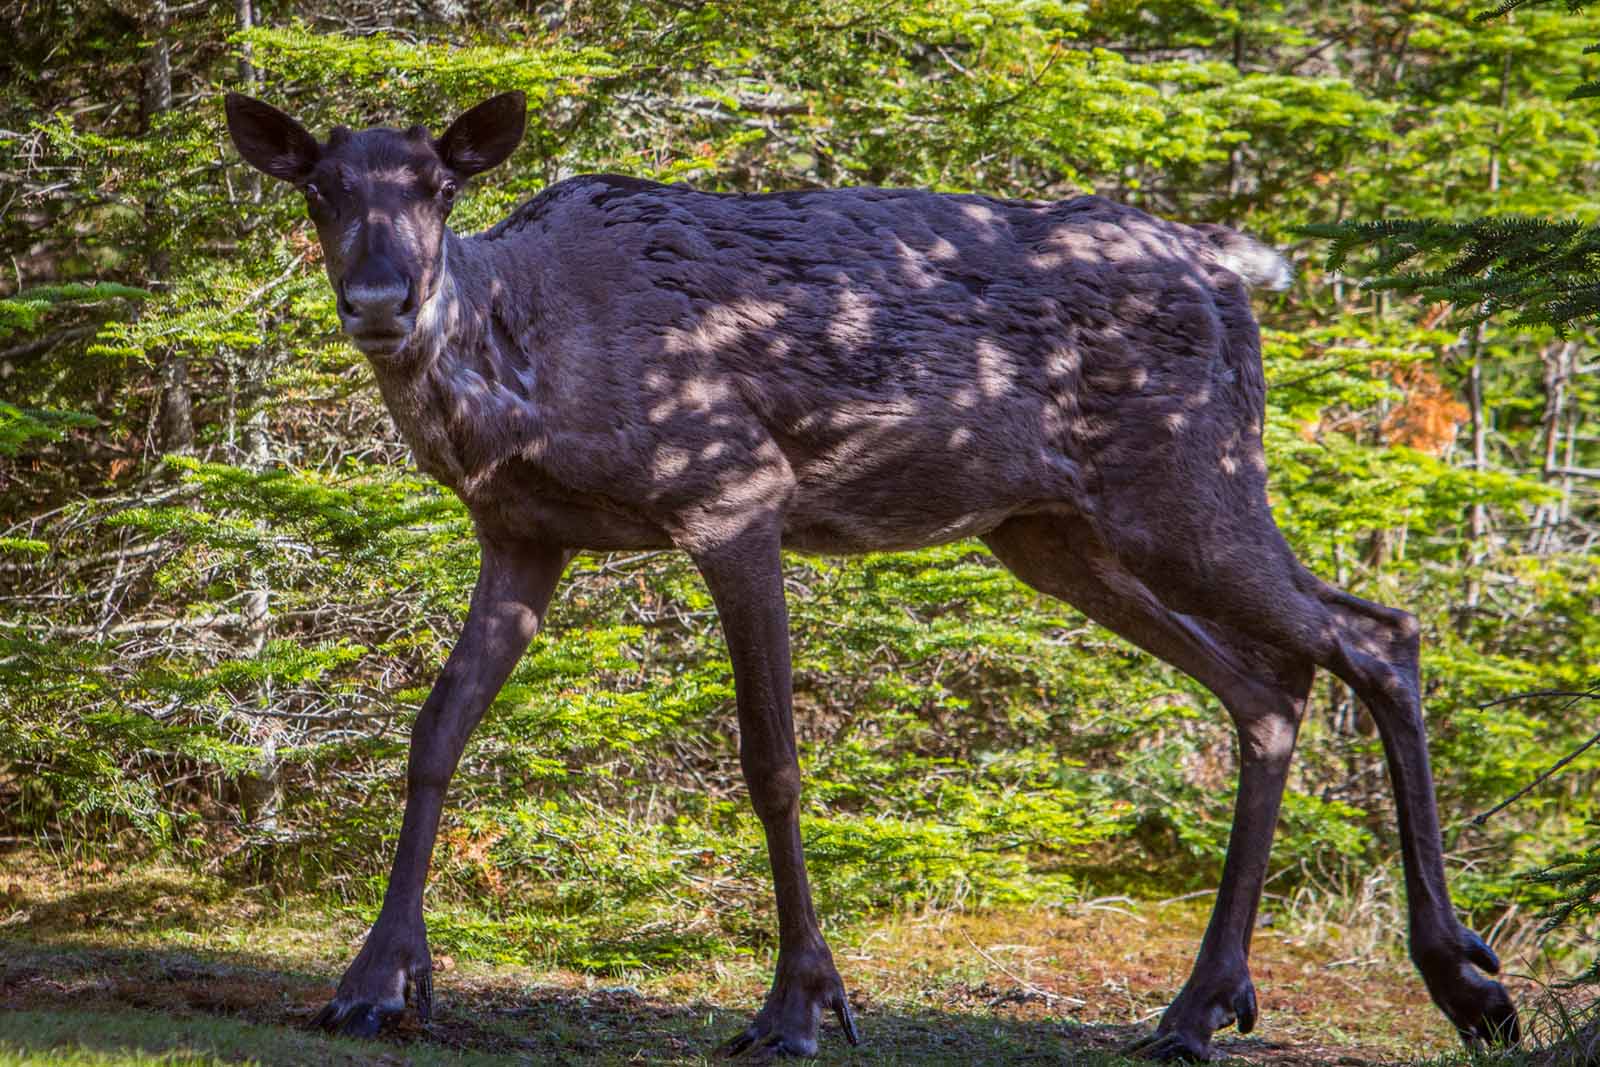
(1574, 877)
(1542, 270)
(1536, 271)
(26, 310)
(20, 427)
(213, 646)
(406, 75)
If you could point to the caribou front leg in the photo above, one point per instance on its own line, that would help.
(515, 581)
(745, 577)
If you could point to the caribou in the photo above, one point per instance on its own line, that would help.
(620, 365)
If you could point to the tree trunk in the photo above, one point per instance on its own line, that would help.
(1480, 428)
(175, 417)
(1479, 516)
(1547, 517)
(157, 96)
(261, 789)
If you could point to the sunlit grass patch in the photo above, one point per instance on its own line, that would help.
(127, 1038)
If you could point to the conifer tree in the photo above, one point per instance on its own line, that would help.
(1533, 269)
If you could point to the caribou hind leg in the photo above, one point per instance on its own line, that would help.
(1264, 691)
(1240, 573)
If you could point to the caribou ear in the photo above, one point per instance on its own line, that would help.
(269, 140)
(484, 136)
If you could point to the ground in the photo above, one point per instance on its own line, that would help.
(152, 965)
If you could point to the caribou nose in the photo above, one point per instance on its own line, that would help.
(377, 307)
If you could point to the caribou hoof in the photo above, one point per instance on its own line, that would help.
(1495, 1023)
(350, 1018)
(1225, 996)
(1172, 1046)
(394, 966)
(786, 1025)
(1479, 1007)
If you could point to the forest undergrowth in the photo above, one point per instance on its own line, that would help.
(225, 589)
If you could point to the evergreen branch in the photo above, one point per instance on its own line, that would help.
(1542, 271)
(1506, 7)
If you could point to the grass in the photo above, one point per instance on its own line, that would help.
(155, 965)
(67, 1038)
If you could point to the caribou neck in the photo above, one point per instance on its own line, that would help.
(463, 389)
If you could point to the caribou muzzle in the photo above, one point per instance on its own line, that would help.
(378, 316)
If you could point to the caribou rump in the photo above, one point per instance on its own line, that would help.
(621, 364)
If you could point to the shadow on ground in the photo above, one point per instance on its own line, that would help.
(227, 1007)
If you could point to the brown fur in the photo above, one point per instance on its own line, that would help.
(621, 364)
(883, 369)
